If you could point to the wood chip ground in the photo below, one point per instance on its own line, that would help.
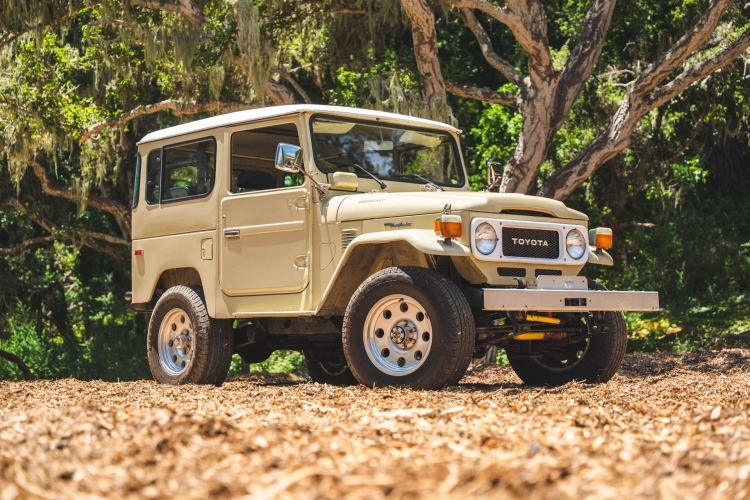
(667, 426)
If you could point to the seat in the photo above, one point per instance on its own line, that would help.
(256, 180)
(178, 192)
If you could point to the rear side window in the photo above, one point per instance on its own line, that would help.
(189, 169)
(153, 177)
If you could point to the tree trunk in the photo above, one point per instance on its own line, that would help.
(27, 375)
(425, 48)
(522, 169)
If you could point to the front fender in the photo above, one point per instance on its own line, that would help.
(371, 252)
(424, 240)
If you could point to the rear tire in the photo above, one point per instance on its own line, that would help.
(186, 345)
(601, 358)
(332, 371)
(410, 327)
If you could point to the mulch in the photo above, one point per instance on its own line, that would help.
(667, 426)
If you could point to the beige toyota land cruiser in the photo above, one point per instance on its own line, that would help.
(351, 235)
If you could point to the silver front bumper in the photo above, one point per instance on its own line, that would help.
(568, 300)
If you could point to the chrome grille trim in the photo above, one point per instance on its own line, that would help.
(550, 232)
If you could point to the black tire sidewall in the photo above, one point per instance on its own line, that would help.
(599, 364)
(437, 368)
(204, 331)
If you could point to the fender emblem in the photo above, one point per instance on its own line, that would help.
(398, 224)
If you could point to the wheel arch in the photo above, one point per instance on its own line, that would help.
(168, 278)
(369, 253)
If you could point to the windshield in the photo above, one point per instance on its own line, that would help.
(389, 152)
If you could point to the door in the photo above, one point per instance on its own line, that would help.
(264, 226)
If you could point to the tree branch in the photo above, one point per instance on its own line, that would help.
(288, 77)
(581, 62)
(109, 239)
(179, 107)
(185, 8)
(637, 224)
(21, 28)
(674, 57)
(97, 241)
(36, 218)
(278, 93)
(484, 94)
(118, 210)
(101, 245)
(26, 244)
(638, 101)
(485, 44)
(528, 23)
(700, 70)
(117, 22)
(27, 375)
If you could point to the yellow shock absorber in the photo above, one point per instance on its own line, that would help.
(541, 336)
(542, 319)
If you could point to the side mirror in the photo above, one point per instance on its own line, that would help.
(494, 174)
(287, 157)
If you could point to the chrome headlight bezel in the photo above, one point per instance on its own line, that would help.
(487, 230)
(575, 249)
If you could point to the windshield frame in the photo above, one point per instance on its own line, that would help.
(401, 126)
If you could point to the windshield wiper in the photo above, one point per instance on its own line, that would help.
(383, 185)
(416, 176)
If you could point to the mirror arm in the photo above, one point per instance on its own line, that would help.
(321, 189)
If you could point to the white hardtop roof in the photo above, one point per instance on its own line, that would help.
(251, 115)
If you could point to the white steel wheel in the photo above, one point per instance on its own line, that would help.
(408, 327)
(186, 345)
(398, 335)
(176, 341)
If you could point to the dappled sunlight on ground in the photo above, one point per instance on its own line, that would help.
(668, 426)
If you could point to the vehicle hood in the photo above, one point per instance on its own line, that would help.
(384, 205)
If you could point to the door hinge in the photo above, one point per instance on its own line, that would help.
(301, 261)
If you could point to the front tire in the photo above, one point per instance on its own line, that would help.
(410, 327)
(594, 361)
(186, 345)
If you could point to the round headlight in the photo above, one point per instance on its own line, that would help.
(485, 238)
(575, 243)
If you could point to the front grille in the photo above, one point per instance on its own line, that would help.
(513, 272)
(547, 272)
(531, 243)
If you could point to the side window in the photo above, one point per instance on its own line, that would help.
(137, 180)
(189, 169)
(254, 156)
(153, 177)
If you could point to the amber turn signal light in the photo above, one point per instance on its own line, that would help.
(448, 226)
(600, 237)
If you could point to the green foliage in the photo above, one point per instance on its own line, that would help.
(687, 170)
(279, 362)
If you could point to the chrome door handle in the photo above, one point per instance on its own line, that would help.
(232, 233)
